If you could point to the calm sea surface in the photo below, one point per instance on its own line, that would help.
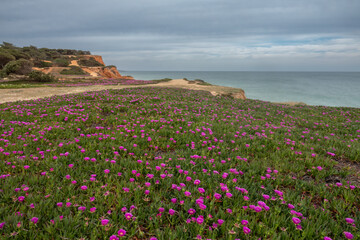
(314, 88)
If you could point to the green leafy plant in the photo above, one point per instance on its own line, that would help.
(74, 70)
(38, 76)
(21, 67)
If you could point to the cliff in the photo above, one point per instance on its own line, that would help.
(94, 68)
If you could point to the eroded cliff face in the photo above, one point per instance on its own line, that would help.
(104, 72)
(98, 58)
(94, 72)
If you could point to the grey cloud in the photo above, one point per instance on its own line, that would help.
(208, 31)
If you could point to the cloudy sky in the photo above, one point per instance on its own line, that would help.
(222, 35)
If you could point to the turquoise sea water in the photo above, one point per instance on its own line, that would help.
(314, 88)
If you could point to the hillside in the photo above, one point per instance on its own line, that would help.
(61, 63)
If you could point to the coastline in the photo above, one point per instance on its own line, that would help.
(21, 94)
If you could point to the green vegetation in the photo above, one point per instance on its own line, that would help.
(20, 67)
(177, 164)
(74, 70)
(161, 80)
(91, 62)
(38, 76)
(43, 64)
(61, 62)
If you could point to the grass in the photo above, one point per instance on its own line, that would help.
(164, 163)
(21, 84)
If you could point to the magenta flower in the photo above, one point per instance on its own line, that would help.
(34, 220)
(197, 182)
(128, 216)
(93, 209)
(229, 195)
(121, 232)
(201, 190)
(220, 221)
(244, 222)
(199, 220)
(217, 195)
(161, 209)
(327, 238)
(187, 193)
(191, 211)
(104, 222)
(348, 235)
(296, 220)
(21, 198)
(2, 225)
(349, 220)
(113, 237)
(106, 171)
(246, 230)
(84, 187)
(171, 211)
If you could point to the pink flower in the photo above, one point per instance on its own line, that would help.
(201, 190)
(21, 198)
(121, 232)
(187, 193)
(349, 220)
(191, 211)
(246, 230)
(244, 222)
(348, 235)
(113, 237)
(202, 206)
(197, 182)
(93, 209)
(128, 216)
(220, 221)
(217, 195)
(173, 200)
(83, 187)
(106, 171)
(296, 220)
(161, 209)
(104, 222)
(34, 220)
(229, 195)
(199, 220)
(68, 204)
(171, 211)
(327, 238)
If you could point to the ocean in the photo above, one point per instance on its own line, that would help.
(341, 89)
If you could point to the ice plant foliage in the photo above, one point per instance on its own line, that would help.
(151, 163)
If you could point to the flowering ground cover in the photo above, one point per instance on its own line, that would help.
(177, 164)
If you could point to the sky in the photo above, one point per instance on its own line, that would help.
(194, 35)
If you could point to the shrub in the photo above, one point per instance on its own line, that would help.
(5, 57)
(41, 77)
(21, 66)
(91, 62)
(42, 64)
(74, 70)
(61, 62)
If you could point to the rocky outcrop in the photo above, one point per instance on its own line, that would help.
(104, 72)
(98, 58)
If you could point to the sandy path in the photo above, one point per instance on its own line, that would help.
(12, 95)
